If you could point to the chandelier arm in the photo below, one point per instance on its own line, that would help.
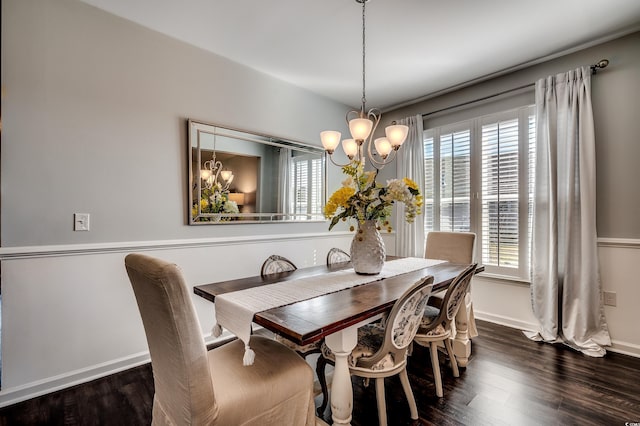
(389, 159)
(358, 114)
(337, 164)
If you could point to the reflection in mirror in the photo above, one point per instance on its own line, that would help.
(240, 177)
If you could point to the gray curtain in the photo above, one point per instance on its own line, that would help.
(410, 236)
(285, 188)
(565, 287)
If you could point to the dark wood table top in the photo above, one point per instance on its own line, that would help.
(310, 320)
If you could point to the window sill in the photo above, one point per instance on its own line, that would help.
(505, 278)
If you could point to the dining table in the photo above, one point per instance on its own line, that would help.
(336, 316)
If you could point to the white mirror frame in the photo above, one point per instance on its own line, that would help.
(238, 143)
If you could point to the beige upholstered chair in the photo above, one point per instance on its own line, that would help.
(196, 387)
(455, 247)
(276, 264)
(336, 255)
(436, 324)
(381, 351)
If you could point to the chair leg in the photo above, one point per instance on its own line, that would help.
(320, 367)
(452, 358)
(382, 403)
(413, 409)
(436, 368)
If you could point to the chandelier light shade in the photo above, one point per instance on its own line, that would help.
(350, 147)
(362, 126)
(330, 140)
(396, 134)
(383, 147)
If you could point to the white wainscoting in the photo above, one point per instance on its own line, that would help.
(509, 303)
(69, 314)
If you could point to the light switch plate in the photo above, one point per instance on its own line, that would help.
(81, 221)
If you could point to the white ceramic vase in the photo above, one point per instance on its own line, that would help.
(367, 249)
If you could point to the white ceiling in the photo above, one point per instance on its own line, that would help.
(414, 47)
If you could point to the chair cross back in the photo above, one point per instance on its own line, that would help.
(276, 264)
(337, 255)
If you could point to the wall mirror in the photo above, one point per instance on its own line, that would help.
(239, 177)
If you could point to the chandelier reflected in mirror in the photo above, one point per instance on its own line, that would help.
(212, 174)
(362, 126)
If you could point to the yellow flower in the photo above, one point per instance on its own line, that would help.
(411, 184)
(203, 204)
(362, 198)
(338, 199)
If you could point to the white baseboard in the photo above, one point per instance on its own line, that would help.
(506, 321)
(617, 346)
(624, 348)
(10, 396)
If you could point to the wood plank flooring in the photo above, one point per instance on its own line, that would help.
(509, 381)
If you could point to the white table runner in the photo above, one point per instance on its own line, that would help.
(235, 310)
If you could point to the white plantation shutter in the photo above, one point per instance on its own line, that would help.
(479, 178)
(302, 186)
(531, 169)
(429, 183)
(306, 179)
(500, 239)
(316, 200)
(455, 174)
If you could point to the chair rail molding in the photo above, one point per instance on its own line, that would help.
(7, 253)
(619, 242)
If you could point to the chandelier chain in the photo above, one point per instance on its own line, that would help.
(364, 97)
(363, 124)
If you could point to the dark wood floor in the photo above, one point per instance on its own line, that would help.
(509, 381)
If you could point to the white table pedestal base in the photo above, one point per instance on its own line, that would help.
(462, 341)
(341, 344)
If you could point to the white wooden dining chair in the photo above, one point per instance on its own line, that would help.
(436, 325)
(194, 386)
(276, 264)
(381, 351)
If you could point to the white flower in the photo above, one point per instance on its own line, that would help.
(230, 207)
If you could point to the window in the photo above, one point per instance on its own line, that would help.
(479, 178)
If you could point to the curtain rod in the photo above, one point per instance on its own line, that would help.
(602, 63)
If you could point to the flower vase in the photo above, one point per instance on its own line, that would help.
(367, 249)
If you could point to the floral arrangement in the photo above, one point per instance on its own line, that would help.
(362, 198)
(215, 200)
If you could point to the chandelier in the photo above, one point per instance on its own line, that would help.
(213, 175)
(362, 126)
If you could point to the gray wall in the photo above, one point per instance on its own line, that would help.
(616, 104)
(94, 112)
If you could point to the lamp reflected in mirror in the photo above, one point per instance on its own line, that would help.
(237, 197)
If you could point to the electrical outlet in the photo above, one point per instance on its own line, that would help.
(610, 298)
(81, 221)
